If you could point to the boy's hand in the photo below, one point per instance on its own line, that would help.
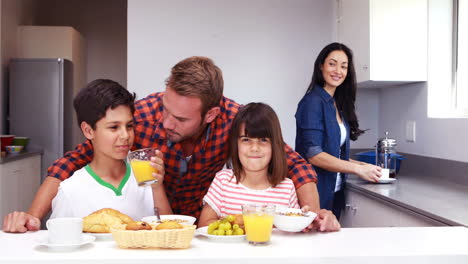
(158, 163)
(20, 222)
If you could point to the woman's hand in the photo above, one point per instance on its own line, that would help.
(369, 172)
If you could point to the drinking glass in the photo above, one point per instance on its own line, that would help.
(140, 161)
(258, 222)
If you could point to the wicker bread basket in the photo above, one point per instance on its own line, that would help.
(166, 238)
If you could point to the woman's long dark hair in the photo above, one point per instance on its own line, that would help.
(345, 94)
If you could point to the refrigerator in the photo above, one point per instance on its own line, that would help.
(41, 105)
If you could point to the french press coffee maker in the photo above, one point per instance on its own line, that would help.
(385, 154)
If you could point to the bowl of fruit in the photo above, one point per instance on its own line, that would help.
(227, 229)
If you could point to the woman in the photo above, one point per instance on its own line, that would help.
(326, 121)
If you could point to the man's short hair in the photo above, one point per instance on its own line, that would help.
(198, 77)
(91, 102)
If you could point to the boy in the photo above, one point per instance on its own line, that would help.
(105, 114)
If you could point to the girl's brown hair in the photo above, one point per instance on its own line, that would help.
(260, 121)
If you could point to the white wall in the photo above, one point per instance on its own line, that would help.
(103, 24)
(443, 138)
(265, 48)
(388, 109)
(367, 111)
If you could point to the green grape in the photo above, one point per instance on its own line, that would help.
(222, 226)
(229, 232)
(211, 227)
(215, 224)
(227, 226)
(230, 218)
(220, 232)
(238, 232)
(211, 232)
(235, 226)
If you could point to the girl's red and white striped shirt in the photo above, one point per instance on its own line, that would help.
(226, 197)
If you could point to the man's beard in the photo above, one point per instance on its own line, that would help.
(176, 137)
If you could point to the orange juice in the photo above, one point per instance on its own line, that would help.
(142, 170)
(258, 227)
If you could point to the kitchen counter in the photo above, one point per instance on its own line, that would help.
(350, 245)
(23, 154)
(442, 200)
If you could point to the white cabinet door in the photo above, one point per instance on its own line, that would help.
(369, 211)
(388, 39)
(19, 182)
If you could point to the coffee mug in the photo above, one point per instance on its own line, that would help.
(385, 174)
(66, 230)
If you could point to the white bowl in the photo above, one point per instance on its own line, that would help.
(292, 223)
(14, 149)
(186, 219)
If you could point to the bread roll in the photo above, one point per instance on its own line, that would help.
(169, 225)
(103, 220)
(138, 225)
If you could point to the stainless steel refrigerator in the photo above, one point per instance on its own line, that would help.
(41, 105)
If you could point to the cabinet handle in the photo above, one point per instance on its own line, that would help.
(347, 207)
(354, 209)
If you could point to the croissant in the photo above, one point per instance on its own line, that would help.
(102, 221)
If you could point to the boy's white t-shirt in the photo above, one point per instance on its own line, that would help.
(85, 193)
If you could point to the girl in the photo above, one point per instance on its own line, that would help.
(259, 167)
(326, 121)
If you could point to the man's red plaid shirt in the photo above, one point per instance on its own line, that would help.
(186, 182)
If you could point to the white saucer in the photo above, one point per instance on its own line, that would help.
(44, 241)
(389, 180)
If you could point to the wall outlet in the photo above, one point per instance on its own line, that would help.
(411, 131)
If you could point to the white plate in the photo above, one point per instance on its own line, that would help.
(101, 236)
(389, 180)
(44, 241)
(189, 219)
(202, 231)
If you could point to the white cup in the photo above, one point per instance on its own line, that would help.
(66, 230)
(385, 174)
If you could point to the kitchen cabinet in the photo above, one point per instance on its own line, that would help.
(19, 182)
(370, 211)
(388, 39)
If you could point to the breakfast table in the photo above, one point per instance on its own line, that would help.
(349, 245)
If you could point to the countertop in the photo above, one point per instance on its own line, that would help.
(442, 200)
(23, 154)
(349, 245)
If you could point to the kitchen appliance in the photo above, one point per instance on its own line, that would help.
(41, 108)
(385, 154)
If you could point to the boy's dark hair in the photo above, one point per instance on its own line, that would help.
(260, 121)
(92, 101)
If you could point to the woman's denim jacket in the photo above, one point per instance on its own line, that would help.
(318, 131)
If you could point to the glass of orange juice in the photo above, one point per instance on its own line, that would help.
(258, 222)
(140, 161)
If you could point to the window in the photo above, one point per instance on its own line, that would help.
(448, 58)
(461, 56)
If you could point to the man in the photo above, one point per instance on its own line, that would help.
(189, 123)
